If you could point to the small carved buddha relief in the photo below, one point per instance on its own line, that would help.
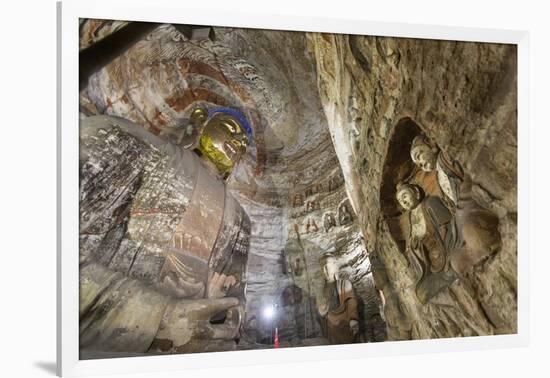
(344, 214)
(329, 222)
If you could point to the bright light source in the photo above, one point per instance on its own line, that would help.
(269, 311)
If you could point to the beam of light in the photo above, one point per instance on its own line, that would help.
(268, 312)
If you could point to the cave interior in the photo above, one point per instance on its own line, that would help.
(184, 250)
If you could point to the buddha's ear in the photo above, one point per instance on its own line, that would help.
(199, 116)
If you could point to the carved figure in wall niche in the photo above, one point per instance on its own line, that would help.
(337, 304)
(311, 226)
(317, 205)
(354, 135)
(298, 200)
(298, 266)
(432, 238)
(478, 225)
(344, 214)
(309, 192)
(314, 225)
(332, 184)
(313, 205)
(329, 222)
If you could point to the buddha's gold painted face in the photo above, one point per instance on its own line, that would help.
(222, 141)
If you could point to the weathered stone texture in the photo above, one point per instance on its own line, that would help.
(159, 80)
(136, 190)
(332, 117)
(461, 95)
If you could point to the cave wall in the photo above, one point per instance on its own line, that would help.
(463, 96)
(310, 235)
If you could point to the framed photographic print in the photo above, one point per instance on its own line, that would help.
(266, 189)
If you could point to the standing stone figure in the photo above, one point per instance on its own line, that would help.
(297, 266)
(311, 226)
(478, 225)
(329, 222)
(298, 200)
(337, 305)
(332, 184)
(432, 237)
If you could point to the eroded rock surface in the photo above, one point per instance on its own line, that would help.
(155, 251)
(333, 117)
(463, 97)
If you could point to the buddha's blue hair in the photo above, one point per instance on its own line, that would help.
(235, 113)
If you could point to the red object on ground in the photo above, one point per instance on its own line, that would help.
(276, 343)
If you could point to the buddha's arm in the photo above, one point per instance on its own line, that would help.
(117, 313)
(121, 314)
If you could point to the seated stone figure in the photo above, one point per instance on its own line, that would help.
(479, 226)
(337, 305)
(344, 214)
(311, 226)
(157, 273)
(329, 222)
(432, 238)
(298, 200)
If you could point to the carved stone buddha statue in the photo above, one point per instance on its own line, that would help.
(157, 272)
(337, 305)
(344, 214)
(311, 226)
(223, 138)
(329, 222)
(479, 226)
(431, 239)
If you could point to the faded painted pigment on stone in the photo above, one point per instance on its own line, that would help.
(462, 96)
(137, 270)
(333, 118)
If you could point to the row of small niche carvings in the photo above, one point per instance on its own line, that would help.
(329, 221)
(332, 184)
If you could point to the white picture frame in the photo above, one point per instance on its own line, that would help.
(173, 11)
